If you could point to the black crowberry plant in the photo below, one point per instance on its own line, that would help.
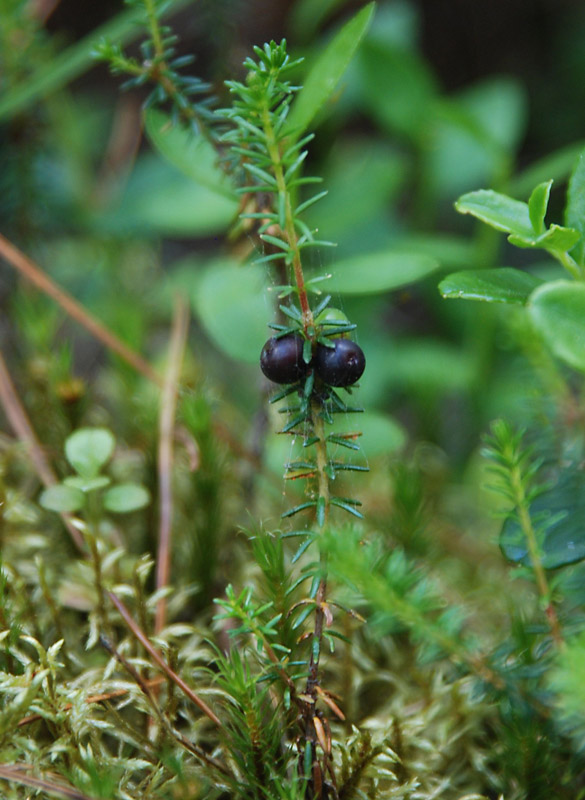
(338, 657)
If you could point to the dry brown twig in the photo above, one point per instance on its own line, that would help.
(166, 429)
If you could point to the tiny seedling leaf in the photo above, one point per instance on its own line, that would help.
(89, 449)
(87, 484)
(126, 497)
(63, 499)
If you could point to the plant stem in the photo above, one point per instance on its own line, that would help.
(569, 264)
(155, 33)
(289, 231)
(534, 551)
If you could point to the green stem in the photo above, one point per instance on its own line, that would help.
(534, 551)
(569, 264)
(155, 33)
(289, 228)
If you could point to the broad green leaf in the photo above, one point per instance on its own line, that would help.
(71, 63)
(575, 211)
(473, 135)
(380, 272)
(555, 238)
(502, 285)
(454, 251)
(160, 200)
(497, 210)
(87, 484)
(63, 499)
(89, 449)
(558, 312)
(499, 108)
(233, 306)
(126, 497)
(189, 152)
(537, 205)
(397, 87)
(564, 538)
(327, 71)
(362, 177)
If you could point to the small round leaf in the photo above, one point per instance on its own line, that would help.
(88, 449)
(126, 497)
(63, 499)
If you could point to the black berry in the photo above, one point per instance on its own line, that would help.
(281, 360)
(340, 365)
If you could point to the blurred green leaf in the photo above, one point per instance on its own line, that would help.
(233, 306)
(472, 136)
(62, 499)
(160, 200)
(397, 87)
(381, 435)
(87, 484)
(89, 449)
(190, 153)
(562, 511)
(538, 204)
(502, 285)
(327, 70)
(558, 312)
(379, 272)
(126, 497)
(362, 177)
(497, 210)
(498, 109)
(575, 210)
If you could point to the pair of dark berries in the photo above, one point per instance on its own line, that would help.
(281, 360)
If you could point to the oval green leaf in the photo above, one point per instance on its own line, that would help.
(161, 200)
(232, 303)
(558, 312)
(327, 70)
(564, 537)
(380, 272)
(126, 497)
(63, 499)
(503, 285)
(497, 210)
(88, 449)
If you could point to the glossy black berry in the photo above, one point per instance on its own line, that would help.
(340, 365)
(281, 360)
